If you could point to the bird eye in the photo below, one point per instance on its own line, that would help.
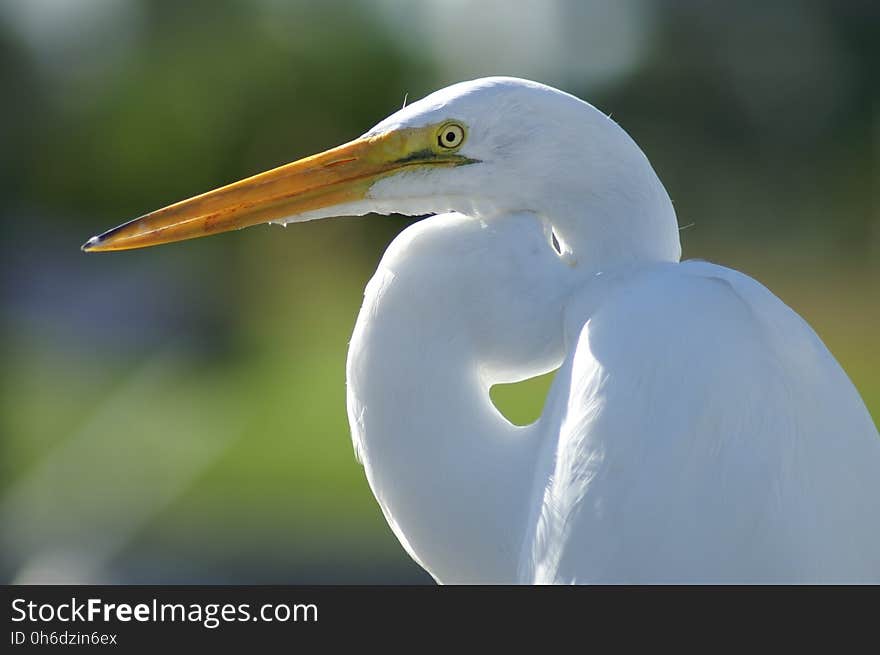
(450, 136)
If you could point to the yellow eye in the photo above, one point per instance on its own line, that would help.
(450, 136)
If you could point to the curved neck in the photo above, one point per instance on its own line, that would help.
(600, 193)
(598, 239)
(457, 305)
(452, 476)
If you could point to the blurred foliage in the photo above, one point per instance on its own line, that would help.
(178, 414)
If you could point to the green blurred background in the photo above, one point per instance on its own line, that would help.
(178, 414)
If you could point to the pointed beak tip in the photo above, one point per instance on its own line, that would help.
(91, 244)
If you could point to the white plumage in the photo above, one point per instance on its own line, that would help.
(697, 431)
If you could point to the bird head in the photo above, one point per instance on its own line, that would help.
(485, 148)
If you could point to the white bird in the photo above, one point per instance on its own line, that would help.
(697, 429)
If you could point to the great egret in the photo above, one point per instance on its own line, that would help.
(697, 429)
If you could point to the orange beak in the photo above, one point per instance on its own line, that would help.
(336, 177)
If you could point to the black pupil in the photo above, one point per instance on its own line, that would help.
(450, 137)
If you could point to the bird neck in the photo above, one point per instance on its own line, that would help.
(596, 240)
(606, 203)
(459, 304)
(618, 224)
